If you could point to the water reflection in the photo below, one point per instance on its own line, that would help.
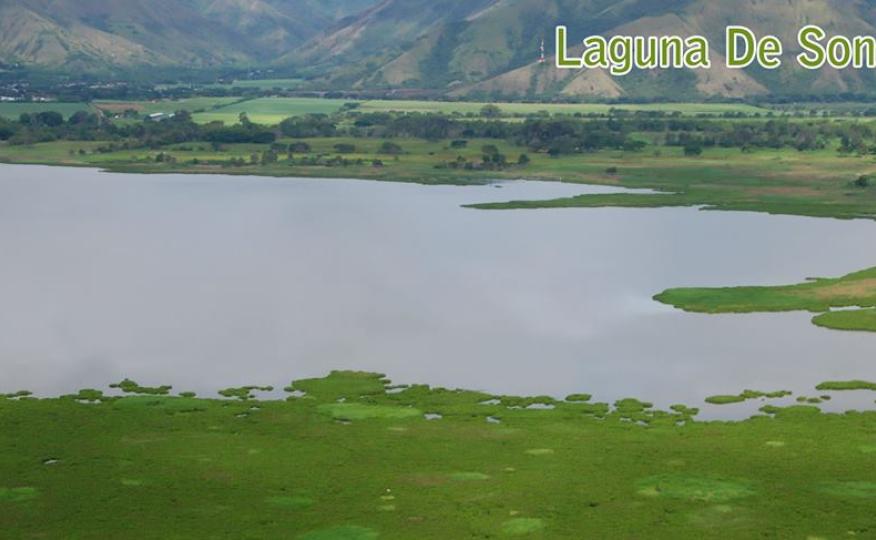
(210, 282)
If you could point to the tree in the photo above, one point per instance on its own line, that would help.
(490, 150)
(389, 148)
(491, 111)
(523, 159)
(693, 149)
(299, 147)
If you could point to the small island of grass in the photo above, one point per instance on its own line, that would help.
(854, 295)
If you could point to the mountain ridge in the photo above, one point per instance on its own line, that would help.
(473, 48)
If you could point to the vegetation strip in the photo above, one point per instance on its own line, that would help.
(290, 469)
(856, 291)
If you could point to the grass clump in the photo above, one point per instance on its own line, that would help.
(89, 395)
(18, 494)
(856, 320)
(469, 476)
(341, 384)
(853, 489)
(17, 395)
(522, 526)
(244, 392)
(745, 396)
(290, 501)
(684, 410)
(131, 387)
(347, 532)
(694, 488)
(631, 406)
(363, 411)
(846, 385)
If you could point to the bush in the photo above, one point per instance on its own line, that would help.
(491, 111)
(863, 181)
(389, 148)
(693, 150)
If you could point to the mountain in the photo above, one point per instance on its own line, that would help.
(490, 48)
(476, 48)
(93, 34)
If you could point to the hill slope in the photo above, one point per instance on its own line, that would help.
(480, 48)
(492, 47)
(90, 34)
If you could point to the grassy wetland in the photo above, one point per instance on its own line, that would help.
(845, 303)
(350, 457)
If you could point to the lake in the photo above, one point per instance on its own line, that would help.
(211, 281)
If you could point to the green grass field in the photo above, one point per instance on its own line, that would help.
(557, 108)
(166, 106)
(272, 110)
(14, 110)
(349, 461)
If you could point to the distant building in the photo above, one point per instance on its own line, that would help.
(159, 116)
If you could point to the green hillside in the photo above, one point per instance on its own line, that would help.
(482, 49)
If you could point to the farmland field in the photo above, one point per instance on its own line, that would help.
(165, 106)
(15, 109)
(273, 110)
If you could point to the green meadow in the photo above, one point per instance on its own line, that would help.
(165, 106)
(345, 458)
(272, 110)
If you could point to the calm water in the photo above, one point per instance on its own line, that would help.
(211, 281)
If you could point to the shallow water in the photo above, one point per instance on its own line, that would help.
(207, 282)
